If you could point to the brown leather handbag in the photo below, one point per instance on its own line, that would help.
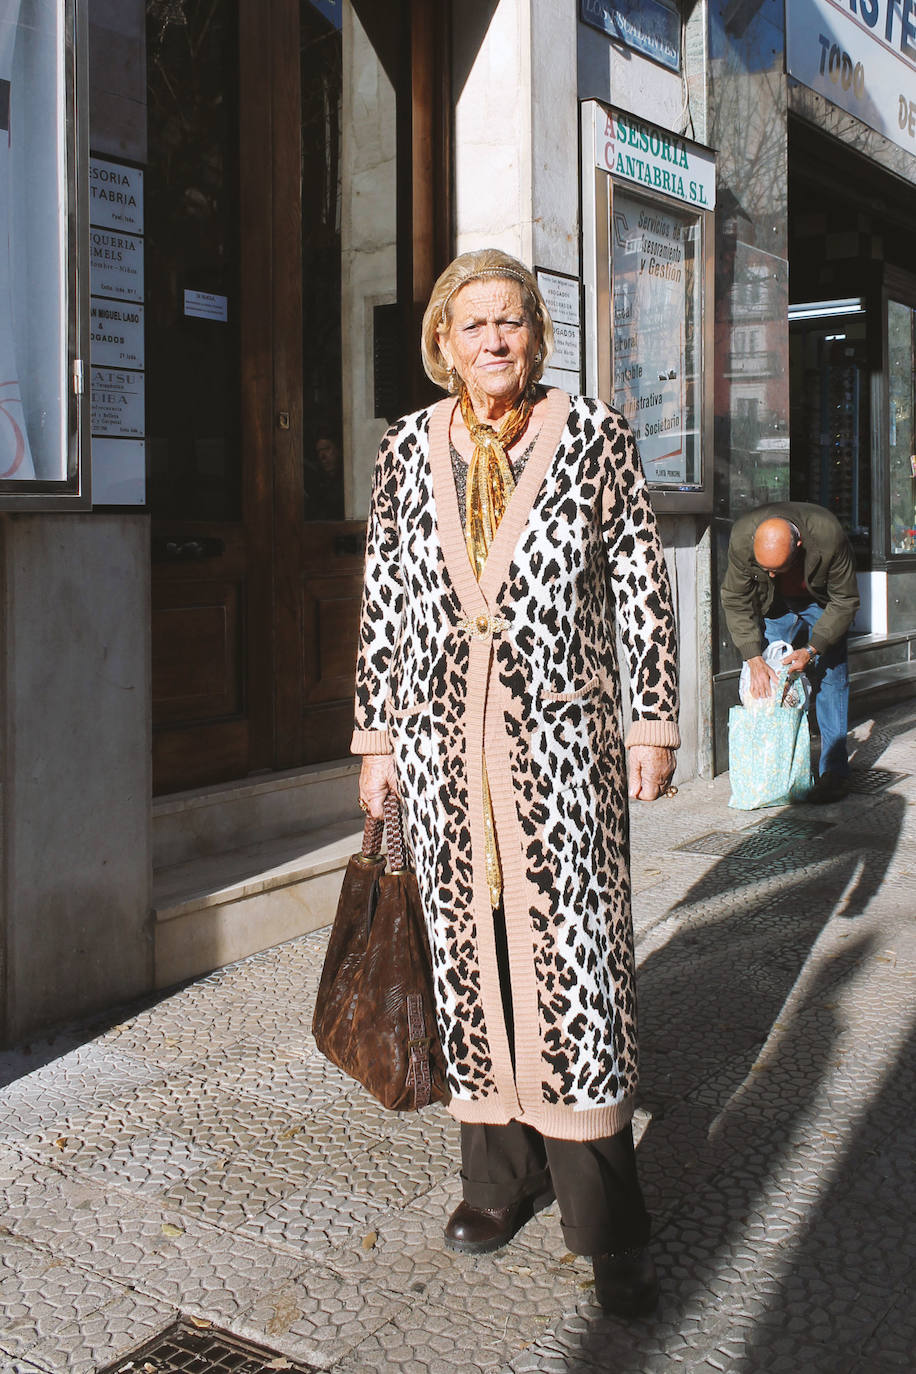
(375, 1015)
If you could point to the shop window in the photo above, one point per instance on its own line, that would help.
(657, 274)
(830, 417)
(901, 440)
(41, 326)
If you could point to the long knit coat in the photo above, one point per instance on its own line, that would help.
(522, 666)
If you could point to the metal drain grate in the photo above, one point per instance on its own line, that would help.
(757, 841)
(188, 1349)
(874, 780)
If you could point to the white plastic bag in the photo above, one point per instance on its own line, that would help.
(798, 691)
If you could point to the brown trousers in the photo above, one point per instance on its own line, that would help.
(595, 1182)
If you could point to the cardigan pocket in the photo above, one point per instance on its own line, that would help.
(396, 713)
(566, 743)
(574, 694)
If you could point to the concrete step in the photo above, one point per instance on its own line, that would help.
(876, 687)
(216, 820)
(217, 908)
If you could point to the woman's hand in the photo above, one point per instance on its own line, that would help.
(376, 779)
(650, 769)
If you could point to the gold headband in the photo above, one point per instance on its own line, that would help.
(478, 276)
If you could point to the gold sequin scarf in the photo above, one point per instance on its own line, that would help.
(490, 484)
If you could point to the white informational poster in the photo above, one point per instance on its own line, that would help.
(118, 404)
(116, 333)
(118, 472)
(116, 264)
(862, 57)
(653, 308)
(206, 305)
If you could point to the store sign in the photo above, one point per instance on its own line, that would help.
(861, 55)
(118, 348)
(116, 264)
(118, 403)
(116, 334)
(649, 26)
(633, 150)
(562, 296)
(115, 196)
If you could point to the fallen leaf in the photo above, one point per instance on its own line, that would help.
(568, 1258)
(370, 1241)
(200, 1323)
(288, 1135)
(279, 1363)
(61, 1142)
(168, 1229)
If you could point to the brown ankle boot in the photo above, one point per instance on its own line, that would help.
(626, 1285)
(478, 1230)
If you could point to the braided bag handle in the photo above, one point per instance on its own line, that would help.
(372, 838)
(392, 827)
(394, 835)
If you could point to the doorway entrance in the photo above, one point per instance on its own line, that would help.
(280, 227)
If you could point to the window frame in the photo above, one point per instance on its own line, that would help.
(597, 219)
(73, 490)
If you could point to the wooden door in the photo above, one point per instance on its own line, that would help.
(259, 443)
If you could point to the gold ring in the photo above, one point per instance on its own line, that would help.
(670, 792)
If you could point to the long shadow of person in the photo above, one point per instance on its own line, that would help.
(848, 1280)
(738, 1033)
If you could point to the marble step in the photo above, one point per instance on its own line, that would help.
(217, 908)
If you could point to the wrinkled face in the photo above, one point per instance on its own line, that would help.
(491, 341)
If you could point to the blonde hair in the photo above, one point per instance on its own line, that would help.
(480, 265)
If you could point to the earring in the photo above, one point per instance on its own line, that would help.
(454, 382)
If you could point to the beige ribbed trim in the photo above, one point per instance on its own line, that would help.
(560, 1123)
(370, 742)
(663, 733)
(522, 1098)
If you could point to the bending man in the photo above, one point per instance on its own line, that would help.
(792, 576)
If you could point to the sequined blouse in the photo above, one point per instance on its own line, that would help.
(460, 473)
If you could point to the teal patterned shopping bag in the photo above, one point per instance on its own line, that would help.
(769, 753)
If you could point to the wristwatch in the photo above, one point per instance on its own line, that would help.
(813, 654)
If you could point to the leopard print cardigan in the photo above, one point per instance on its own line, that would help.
(525, 664)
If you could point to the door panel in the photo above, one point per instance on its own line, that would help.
(276, 183)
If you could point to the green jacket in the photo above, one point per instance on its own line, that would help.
(830, 572)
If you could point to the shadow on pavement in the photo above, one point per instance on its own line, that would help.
(740, 1032)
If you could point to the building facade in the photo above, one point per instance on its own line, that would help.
(223, 221)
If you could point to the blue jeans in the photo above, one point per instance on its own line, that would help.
(829, 679)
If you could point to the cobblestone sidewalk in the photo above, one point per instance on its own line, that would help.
(199, 1158)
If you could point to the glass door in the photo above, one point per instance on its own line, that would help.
(830, 415)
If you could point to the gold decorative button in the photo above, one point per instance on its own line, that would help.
(483, 624)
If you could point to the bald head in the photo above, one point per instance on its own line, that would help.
(776, 543)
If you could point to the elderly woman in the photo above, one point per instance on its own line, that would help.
(510, 536)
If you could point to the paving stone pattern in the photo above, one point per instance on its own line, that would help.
(196, 1157)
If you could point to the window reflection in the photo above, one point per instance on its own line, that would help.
(902, 449)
